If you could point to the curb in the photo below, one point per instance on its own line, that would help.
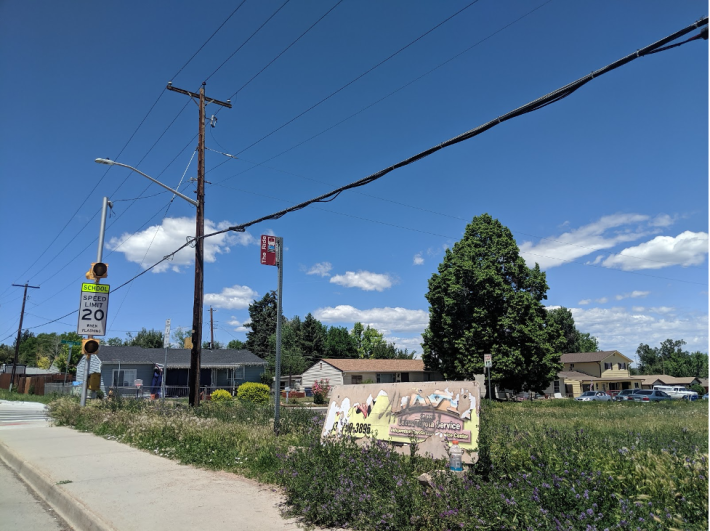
(72, 510)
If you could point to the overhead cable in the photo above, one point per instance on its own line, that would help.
(534, 105)
(309, 109)
(380, 100)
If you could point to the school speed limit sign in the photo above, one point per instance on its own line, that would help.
(93, 308)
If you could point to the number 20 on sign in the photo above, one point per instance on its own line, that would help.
(93, 309)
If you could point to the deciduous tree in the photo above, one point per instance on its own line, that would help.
(485, 300)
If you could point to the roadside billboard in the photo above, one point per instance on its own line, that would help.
(431, 413)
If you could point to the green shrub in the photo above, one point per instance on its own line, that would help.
(253, 392)
(221, 395)
(698, 389)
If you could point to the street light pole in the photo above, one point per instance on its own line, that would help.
(198, 301)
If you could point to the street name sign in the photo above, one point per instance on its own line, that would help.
(93, 309)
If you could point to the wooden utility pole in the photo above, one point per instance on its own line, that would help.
(198, 300)
(211, 329)
(19, 330)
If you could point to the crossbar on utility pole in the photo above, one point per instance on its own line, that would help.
(198, 300)
(19, 330)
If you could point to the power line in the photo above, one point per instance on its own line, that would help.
(208, 40)
(534, 105)
(135, 131)
(363, 109)
(530, 107)
(284, 51)
(451, 216)
(248, 39)
(412, 229)
(358, 77)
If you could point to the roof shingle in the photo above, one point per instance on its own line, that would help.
(586, 357)
(358, 365)
(177, 357)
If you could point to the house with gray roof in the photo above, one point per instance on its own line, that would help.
(120, 367)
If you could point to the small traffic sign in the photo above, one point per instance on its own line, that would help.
(93, 309)
(487, 360)
(166, 335)
(267, 251)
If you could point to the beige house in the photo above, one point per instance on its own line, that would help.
(606, 371)
(359, 371)
(649, 380)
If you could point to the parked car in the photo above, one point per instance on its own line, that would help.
(624, 395)
(705, 396)
(690, 396)
(589, 396)
(650, 395)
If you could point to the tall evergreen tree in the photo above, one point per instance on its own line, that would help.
(262, 314)
(313, 339)
(485, 300)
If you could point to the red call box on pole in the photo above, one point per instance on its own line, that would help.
(268, 250)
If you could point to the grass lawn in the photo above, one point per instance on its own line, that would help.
(554, 464)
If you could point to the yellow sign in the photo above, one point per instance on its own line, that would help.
(94, 381)
(95, 288)
(430, 414)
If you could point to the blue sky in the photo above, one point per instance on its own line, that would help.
(606, 189)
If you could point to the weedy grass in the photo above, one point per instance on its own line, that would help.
(22, 397)
(557, 464)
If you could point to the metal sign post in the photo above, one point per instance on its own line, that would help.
(488, 363)
(271, 253)
(98, 289)
(166, 344)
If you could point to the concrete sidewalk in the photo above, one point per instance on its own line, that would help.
(101, 485)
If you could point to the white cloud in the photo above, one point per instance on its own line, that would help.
(239, 327)
(584, 302)
(622, 330)
(686, 249)
(602, 300)
(638, 309)
(234, 298)
(150, 245)
(585, 240)
(321, 269)
(662, 220)
(385, 319)
(633, 295)
(364, 280)
(418, 259)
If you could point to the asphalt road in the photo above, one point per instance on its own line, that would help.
(21, 509)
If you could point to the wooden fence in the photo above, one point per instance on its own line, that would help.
(33, 384)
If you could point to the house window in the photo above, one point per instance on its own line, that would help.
(607, 366)
(556, 386)
(622, 366)
(571, 365)
(636, 385)
(124, 377)
(356, 379)
(385, 377)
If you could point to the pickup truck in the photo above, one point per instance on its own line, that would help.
(677, 392)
